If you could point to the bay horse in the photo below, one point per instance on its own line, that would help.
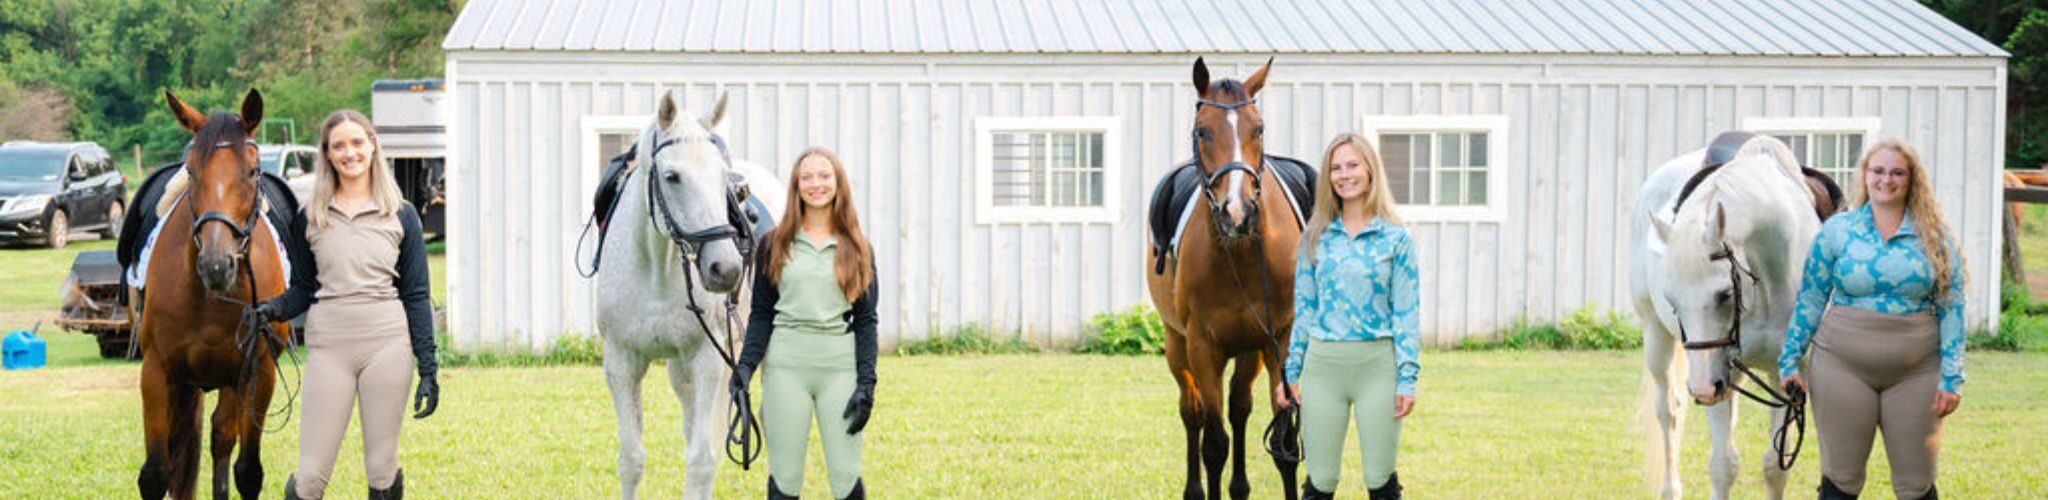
(1723, 234)
(1228, 294)
(193, 337)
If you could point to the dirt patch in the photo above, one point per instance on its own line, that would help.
(24, 320)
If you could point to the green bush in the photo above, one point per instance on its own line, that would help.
(568, 350)
(1584, 329)
(971, 338)
(1134, 331)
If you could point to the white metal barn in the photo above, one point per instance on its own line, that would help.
(1001, 152)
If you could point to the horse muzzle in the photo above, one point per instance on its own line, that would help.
(216, 273)
(1708, 392)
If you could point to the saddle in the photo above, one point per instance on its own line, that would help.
(1826, 195)
(1173, 200)
(275, 198)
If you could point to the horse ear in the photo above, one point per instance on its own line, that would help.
(252, 112)
(1662, 227)
(1258, 79)
(717, 116)
(667, 113)
(1201, 77)
(189, 118)
(1720, 221)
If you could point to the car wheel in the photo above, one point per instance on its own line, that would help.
(115, 216)
(59, 230)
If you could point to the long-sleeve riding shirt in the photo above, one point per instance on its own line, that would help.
(1851, 265)
(1358, 288)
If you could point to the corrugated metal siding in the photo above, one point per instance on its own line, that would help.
(1739, 27)
(1577, 146)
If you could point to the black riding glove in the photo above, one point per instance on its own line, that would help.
(858, 407)
(429, 393)
(740, 378)
(268, 311)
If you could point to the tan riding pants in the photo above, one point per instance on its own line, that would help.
(1877, 372)
(354, 352)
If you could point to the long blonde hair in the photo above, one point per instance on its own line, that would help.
(1379, 199)
(1927, 219)
(383, 187)
(850, 262)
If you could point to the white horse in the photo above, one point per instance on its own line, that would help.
(650, 279)
(1713, 277)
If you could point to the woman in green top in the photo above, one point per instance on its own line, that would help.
(813, 320)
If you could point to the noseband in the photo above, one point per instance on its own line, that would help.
(1217, 215)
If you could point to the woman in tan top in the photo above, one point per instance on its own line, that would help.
(359, 272)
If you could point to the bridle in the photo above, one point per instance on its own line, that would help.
(1792, 401)
(243, 230)
(741, 444)
(1217, 214)
(1283, 433)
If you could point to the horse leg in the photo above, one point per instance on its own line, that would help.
(155, 477)
(1242, 375)
(1662, 364)
(1190, 410)
(226, 428)
(1774, 477)
(186, 403)
(249, 462)
(1721, 432)
(1206, 365)
(623, 371)
(697, 382)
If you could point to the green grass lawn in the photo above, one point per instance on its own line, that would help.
(1489, 425)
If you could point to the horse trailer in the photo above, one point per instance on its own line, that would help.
(412, 127)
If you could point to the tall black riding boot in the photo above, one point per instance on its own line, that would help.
(1389, 491)
(860, 491)
(291, 487)
(395, 492)
(1828, 491)
(1309, 491)
(775, 494)
(1931, 494)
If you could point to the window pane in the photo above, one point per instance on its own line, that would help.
(1451, 149)
(1478, 149)
(1798, 145)
(1093, 194)
(1394, 158)
(1827, 156)
(1094, 151)
(1854, 143)
(1447, 192)
(1476, 188)
(1420, 169)
(610, 145)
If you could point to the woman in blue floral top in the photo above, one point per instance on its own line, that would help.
(1354, 340)
(1882, 305)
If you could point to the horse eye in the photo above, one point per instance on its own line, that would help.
(1722, 297)
(1202, 134)
(671, 177)
(1259, 133)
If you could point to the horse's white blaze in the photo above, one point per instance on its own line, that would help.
(1236, 204)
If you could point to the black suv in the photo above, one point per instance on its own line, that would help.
(50, 190)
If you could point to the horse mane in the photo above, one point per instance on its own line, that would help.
(221, 126)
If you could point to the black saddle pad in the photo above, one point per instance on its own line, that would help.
(608, 186)
(141, 217)
(1175, 191)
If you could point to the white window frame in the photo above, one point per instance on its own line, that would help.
(985, 129)
(1773, 126)
(593, 127)
(1498, 187)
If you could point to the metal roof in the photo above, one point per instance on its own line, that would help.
(1650, 27)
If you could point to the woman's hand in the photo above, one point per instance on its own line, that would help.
(1791, 382)
(1403, 405)
(1289, 395)
(1946, 402)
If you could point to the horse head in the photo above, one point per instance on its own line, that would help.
(691, 202)
(221, 163)
(1229, 142)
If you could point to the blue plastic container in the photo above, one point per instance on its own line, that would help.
(24, 350)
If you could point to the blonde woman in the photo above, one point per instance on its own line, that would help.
(1355, 339)
(359, 271)
(1882, 305)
